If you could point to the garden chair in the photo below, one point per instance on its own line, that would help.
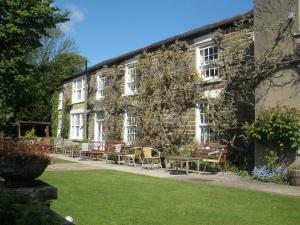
(136, 154)
(85, 150)
(215, 158)
(113, 148)
(150, 155)
(58, 145)
(71, 149)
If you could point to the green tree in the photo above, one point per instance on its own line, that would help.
(55, 60)
(22, 26)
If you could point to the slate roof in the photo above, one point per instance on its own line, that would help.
(183, 36)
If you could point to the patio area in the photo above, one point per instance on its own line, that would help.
(227, 179)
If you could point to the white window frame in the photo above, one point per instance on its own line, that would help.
(203, 65)
(59, 124)
(130, 127)
(203, 132)
(100, 86)
(79, 126)
(99, 121)
(130, 81)
(76, 90)
(60, 100)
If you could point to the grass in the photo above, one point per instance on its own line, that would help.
(117, 198)
(57, 160)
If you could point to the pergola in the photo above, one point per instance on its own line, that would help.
(42, 129)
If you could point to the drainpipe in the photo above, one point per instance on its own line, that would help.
(86, 102)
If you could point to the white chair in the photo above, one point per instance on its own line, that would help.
(85, 149)
(214, 158)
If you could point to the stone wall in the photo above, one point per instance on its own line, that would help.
(283, 87)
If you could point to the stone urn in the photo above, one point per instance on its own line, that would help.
(294, 177)
(21, 164)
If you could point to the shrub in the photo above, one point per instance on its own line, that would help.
(277, 128)
(22, 151)
(21, 162)
(276, 175)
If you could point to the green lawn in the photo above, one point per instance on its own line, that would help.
(57, 160)
(116, 198)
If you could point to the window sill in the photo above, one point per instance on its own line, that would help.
(129, 94)
(77, 102)
(213, 80)
(100, 98)
(76, 139)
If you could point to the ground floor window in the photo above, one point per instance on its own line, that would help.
(203, 133)
(130, 127)
(99, 120)
(59, 124)
(77, 126)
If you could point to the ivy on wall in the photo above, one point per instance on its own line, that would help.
(54, 115)
(65, 117)
(168, 87)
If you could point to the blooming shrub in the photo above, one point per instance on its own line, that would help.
(277, 174)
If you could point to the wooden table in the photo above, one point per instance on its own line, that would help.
(182, 159)
(95, 154)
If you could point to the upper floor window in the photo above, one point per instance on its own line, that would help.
(130, 127)
(60, 100)
(78, 90)
(208, 62)
(130, 79)
(100, 86)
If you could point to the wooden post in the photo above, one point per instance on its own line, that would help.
(47, 135)
(19, 130)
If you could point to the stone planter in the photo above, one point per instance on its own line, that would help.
(21, 172)
(294, 177)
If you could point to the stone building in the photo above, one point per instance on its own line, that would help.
(83, 92)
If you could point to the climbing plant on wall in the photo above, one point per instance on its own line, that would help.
(168, 87)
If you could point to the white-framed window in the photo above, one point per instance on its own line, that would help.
(78, 94)
(60, 100)
(77, 126)
(207, 61)
(59, 124)
(130, 127)
(130, 79)
(99, 120)
(203, 133)
(100, 86)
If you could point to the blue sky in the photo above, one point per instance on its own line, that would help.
(103, 29)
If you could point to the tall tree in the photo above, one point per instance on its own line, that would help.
(22, 25)
(55, 60)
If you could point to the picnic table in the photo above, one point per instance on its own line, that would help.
(181, 160)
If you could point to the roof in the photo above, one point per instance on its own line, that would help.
(184, 36)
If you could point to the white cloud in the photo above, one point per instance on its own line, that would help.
(76, 15)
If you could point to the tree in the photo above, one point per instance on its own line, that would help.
(55, 60)
(22, 25)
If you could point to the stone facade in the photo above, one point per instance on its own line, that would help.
(235, 42)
